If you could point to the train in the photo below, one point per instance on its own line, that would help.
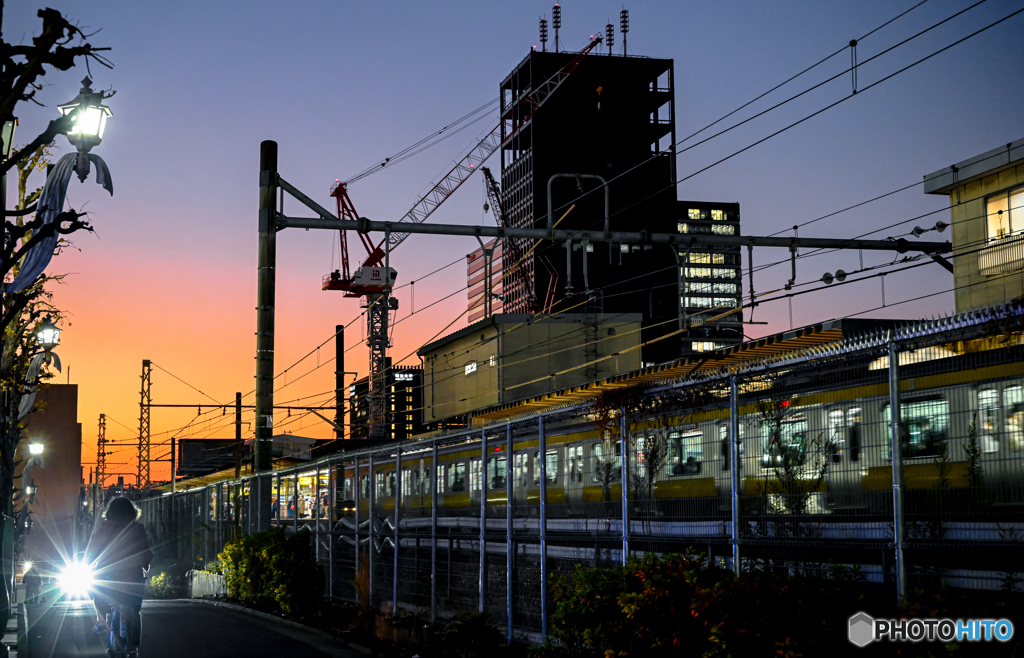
(961, 428)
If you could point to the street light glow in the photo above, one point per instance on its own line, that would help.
(48, 334)
(35, 448)
(89, 115)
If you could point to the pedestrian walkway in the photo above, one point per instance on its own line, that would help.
(171, 629)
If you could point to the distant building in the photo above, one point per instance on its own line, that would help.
(476, 281)
(203, 456)
(986, 198)
(509, 357)
(58, 480)
(611, 121)
(404, 404)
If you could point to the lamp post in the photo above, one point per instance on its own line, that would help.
(89, 115)
(47, 334)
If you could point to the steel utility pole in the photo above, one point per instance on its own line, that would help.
(146, 396)
(339, 382)
(238, 456)
(266, 293)
(101, 451)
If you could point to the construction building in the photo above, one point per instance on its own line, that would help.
(481, 305)
(604, 146)
(404, 400)
(509, 357)
(986, 199)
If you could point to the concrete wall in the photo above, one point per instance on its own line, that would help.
(56, 426)
(969, 226)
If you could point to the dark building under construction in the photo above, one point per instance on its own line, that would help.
(612, 121)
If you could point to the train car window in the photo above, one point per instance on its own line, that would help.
(837, 433)
(439, 478)
(1013, 405)
(607, 461)
(685, 452)
(574, 463)
(366, 486)
(988, 419)
(784, 443)
(474, 475)
(923, 428)
(457, 477)
(854, 428)
(551, 465)
(347, 489)
(520, 469)
(496, 472)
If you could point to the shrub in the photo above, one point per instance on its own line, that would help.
(269, 569)
(676, 606)
(471, 635)
(161, 586)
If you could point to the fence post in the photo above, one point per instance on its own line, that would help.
(508, 526)
(897, 469)
(371, 498)
(357, 488)
(543, 528)
(295, 497)
(483, 513)
(435, 483)
(734, 438)
(398, 506)
(624, 464)
(316, 510)
(332, 499)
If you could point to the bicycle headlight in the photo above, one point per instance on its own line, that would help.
(76, 579)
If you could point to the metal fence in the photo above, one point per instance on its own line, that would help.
(782, 464)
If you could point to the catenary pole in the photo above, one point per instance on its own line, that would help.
(266, 284)
(895, 421)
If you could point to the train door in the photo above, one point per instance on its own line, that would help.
(474, 482)
(574, 476)
(521, 475)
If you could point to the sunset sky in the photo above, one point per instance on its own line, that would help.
(170, 273)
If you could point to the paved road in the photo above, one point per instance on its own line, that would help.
(171, 629)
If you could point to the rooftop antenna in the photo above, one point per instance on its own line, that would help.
(556, 21)
(544, 34)
(609, 36)
(624, 28)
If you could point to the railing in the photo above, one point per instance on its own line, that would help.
(539, 495)
(1003, 256)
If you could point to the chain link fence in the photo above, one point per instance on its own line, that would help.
(782, 464)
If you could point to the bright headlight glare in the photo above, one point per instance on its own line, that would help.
(76, 579)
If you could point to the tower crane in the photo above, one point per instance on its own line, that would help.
(375, 277)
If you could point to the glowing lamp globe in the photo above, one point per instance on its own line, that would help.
(89, 117)
(35, 448)
(47, 334)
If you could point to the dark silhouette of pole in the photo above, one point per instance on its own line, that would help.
(339, 382)
(265, 300)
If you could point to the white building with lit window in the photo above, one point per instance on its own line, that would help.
(986, 198)
(710, 278)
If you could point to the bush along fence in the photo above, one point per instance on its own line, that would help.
(789, 463)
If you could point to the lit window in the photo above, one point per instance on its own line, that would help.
(470, 368)
(685, 452)
(723, 229)
(683, 228)
(1013, 406)
(923, 428)
(624, 248)
(702, 346)
(694, 213)
(698, 302)
(719, 215)
(493, 361)
(1005, 214)
(698, 286)
(728, 288)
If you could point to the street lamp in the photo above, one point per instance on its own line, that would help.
(89, 116)
(35, 448)
(8, 136)
(47, 334)
(31, 489)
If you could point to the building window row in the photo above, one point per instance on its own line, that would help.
(710, 288)
(716, 229)
(716, 215)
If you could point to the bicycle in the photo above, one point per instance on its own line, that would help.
(123, 640)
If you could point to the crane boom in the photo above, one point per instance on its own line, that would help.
(494, 195)
(533, 101)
